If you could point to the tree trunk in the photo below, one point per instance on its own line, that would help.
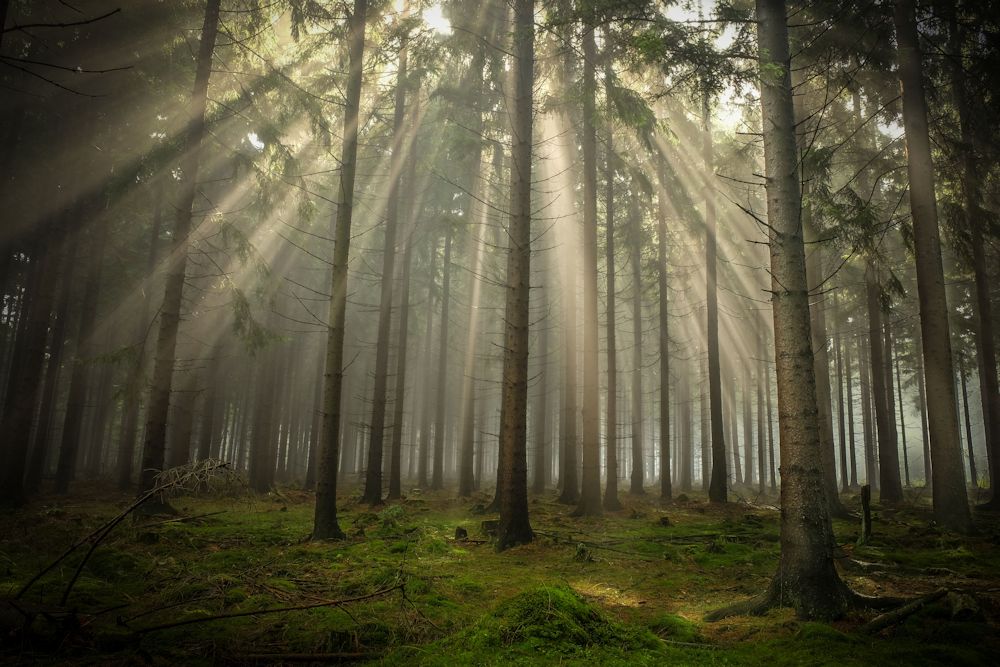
(734, 433)
(852, 448)
(924, 430)
(316, 426)
(437, 474)
(395, 462)
(761, 370)
(514, 527)
(568, 480)
(666, 492)
(684, 401)
(170, 310)
(325, 525)
(973, 475)
(871, 468)
(842, 426)
(541, 467)
(817, 310)
(638, 453)
(902, 419)
(890, 489)
(772, 478)
(429, 394)
(373, 476)
(890, 399)
(717, 491)
(807, 579)
(975, 217)
(590, 495)
(474, 214)
(705, 433)
(611, 501)
(951, 507)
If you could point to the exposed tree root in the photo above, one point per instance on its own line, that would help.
(755, 606)
(773, 597)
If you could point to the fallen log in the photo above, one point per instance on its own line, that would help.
(890, 618)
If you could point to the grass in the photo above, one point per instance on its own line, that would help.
(637, 597)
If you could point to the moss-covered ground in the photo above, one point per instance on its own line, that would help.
(628, 588)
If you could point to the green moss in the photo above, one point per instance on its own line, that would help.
(675, 628)
(553, 619)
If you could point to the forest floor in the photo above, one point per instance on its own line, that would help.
(629, 588)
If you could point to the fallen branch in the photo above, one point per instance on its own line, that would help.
(167, 480)
(890, 618)
(183, 519)
(273, 610)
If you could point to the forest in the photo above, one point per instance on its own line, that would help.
(489, 332)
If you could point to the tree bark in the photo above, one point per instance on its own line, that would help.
(717, 491)
(568, 480)
(638, 445)
(889, 468)
(902, 418)
(841, 430)
(395, 462)
(871, 467)
(325, 525)
(611, 501)
(890, 488)
(666, 492)
(973, 475)
(807, 579)
(989, 388)
(429, 394)
(372, 494)
(852, 448)
(514, 526)
(951, 506)
(437, 471)
(590, 494)
(474, 216)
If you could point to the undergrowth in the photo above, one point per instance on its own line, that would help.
(628, 588)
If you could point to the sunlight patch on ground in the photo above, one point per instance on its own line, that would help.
(608, 595)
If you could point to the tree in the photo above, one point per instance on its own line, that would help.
(951, 507)
(512, 493)
(975, 220)
(170, 310)
(807, 578)
(661, 273)
(611, 501)
(325, 525)
(373, 475)
(590, 495)
(889, 485)
(635, 247)
(717, 490)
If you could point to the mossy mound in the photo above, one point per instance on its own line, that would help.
(551, 619)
